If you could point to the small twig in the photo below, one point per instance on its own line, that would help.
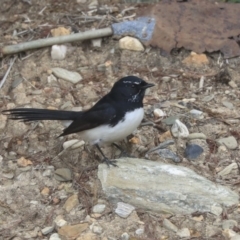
(126, 10)
(97, 33)
(6, 74)
(29, 83)
(40, 13)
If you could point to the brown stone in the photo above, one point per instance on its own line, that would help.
(196, 59)
(68, 232)
(60, 31)
(165, 136)
(71, 203)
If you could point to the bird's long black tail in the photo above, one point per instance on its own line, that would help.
(35, 114)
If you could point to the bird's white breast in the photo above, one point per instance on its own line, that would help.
(108, 134)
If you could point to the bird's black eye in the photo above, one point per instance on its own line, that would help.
(133, 85)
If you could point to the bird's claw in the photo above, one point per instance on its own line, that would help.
(110, 162)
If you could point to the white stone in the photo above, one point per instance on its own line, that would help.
(158, 187)
(123, 209)
(51, 78)
(131, 43)
(139, 231)
(54, 236)
(230, 142)
(74, 143)
(60, 222)
(96, 229)
(99, 208)
(47, 230)
(179, 129)
(183, 233)
(125, 236)
(170, 226)
(58, 52)
(196, 113)
(228, 233)
(97, 42)
(64, 74)
(228, 169)
(158, 113)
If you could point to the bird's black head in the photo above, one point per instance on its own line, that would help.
(130, 88)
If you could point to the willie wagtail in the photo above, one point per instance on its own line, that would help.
(111, 119)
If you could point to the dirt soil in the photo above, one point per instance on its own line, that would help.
(31, 199)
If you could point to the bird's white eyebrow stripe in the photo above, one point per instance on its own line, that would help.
(131, 82)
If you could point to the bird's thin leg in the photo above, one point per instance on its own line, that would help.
(123, 152)
(105, 159)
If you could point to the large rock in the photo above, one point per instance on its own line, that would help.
(161, 187)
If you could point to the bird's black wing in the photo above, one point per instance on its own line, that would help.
(98, 115)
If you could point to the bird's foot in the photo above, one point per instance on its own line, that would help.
(125, 154)
(110, 162)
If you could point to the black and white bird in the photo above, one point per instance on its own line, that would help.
(111, 119)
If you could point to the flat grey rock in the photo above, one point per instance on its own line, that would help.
(229, 142)
(63, 175)
(64, 74)
(161, 187)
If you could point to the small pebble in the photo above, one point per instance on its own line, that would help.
(47, 173)
(179, 129)
(197, 136)
(139, 231)
(45, 191)
(64, 74)
(168, 154)
(47, 230)
(74, 143)
(51, 79)
(228, 105)
(229, 233)
(58, 52)
(63, 174)
(97, 42)
(183, 233)
(208, 98)
(228, 169)
(123, 209)
(170, 120)
(8, 175)
(196, 114)
(131, 43)
(125, 236)
(158, 113)
(60, 222)
(232, 84)
(229, 224)
(97, 229)
(54, 236)
(193, 151)
(166, 78)
(229, 142)
(99, 208)
(170, 226)
(71, 203)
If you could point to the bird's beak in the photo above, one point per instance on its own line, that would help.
(148, 85)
